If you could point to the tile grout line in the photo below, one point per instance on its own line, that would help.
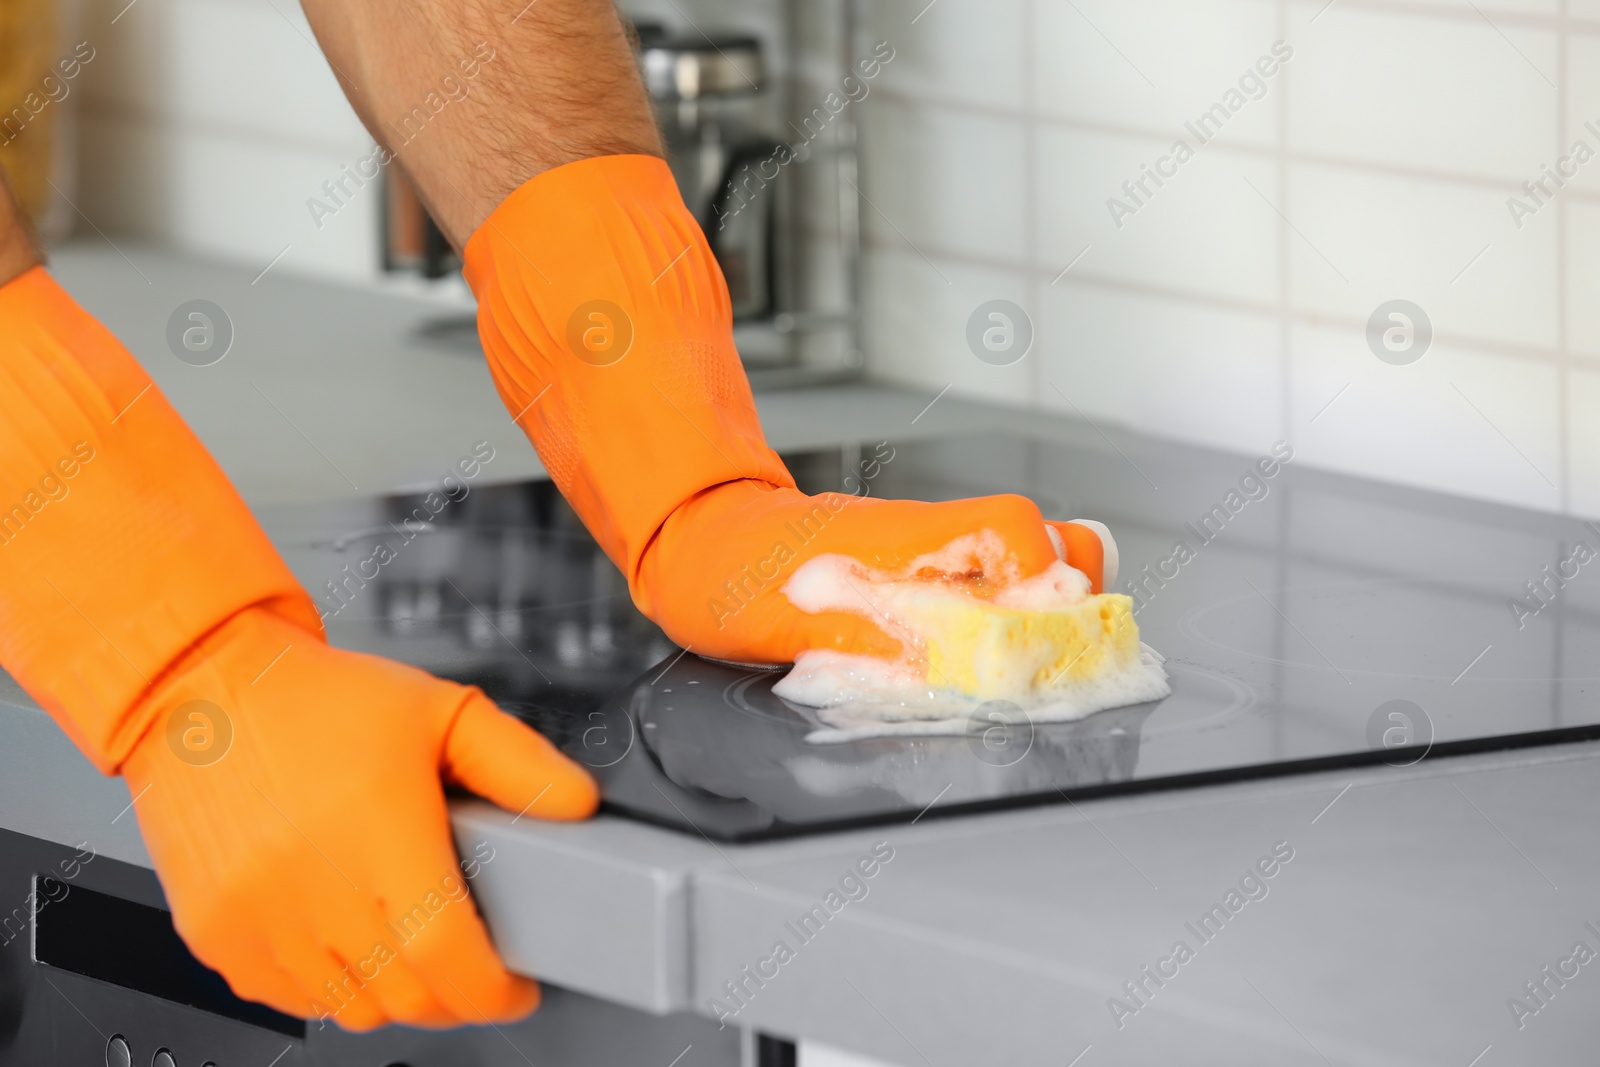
(1030, 199)
(1285, 356)
(1515, 19)
(1286, 504)
(1563, 368)
(1563, 296)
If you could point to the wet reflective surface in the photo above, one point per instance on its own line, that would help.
(1310, 621)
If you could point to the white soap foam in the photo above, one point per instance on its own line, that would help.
(1057, 586)
(971, 565)
(865, 696)
(857, 697)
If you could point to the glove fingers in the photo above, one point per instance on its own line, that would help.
(428, 914)
(243, 954)
(328, 991)
(845, 632)
(392, 984)
(458, 963)
(253, 976)
(507, 762)
(890, 533)
(1084, 550)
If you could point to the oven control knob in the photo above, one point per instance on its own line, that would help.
(163, 1058)
(118, 1054)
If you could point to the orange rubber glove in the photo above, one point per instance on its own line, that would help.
(325, 824)
(608, 329)
(296, 816)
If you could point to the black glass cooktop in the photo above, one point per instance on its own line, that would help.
(1309, 620)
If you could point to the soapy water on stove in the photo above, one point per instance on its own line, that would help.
(974, 632)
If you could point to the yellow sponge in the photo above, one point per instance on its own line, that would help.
(1043, 642)
(992, 652)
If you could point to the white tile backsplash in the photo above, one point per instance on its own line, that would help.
(1362, 238)
(1583, 439)
(1434, 94)
(226, 64)
(1583, 108)
(1226, 310)
(1174, 368)
(944, 180)
(1157, 64)
(1461, 8)
(918, 331)
(961, 51)
(227, 197)
(1583, 279)
(209, 124)
(1206, 230)
(1377, 166)
(1456, 420)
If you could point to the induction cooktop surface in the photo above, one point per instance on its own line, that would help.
(1308, 620)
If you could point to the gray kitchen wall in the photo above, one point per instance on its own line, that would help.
(1384, 159)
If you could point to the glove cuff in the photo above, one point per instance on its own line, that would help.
(122, 542)
(609, 332)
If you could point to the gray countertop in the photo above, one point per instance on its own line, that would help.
(1413, 907)
(1416, 903)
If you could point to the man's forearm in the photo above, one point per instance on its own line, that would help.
(19, 251)
(562, 85)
